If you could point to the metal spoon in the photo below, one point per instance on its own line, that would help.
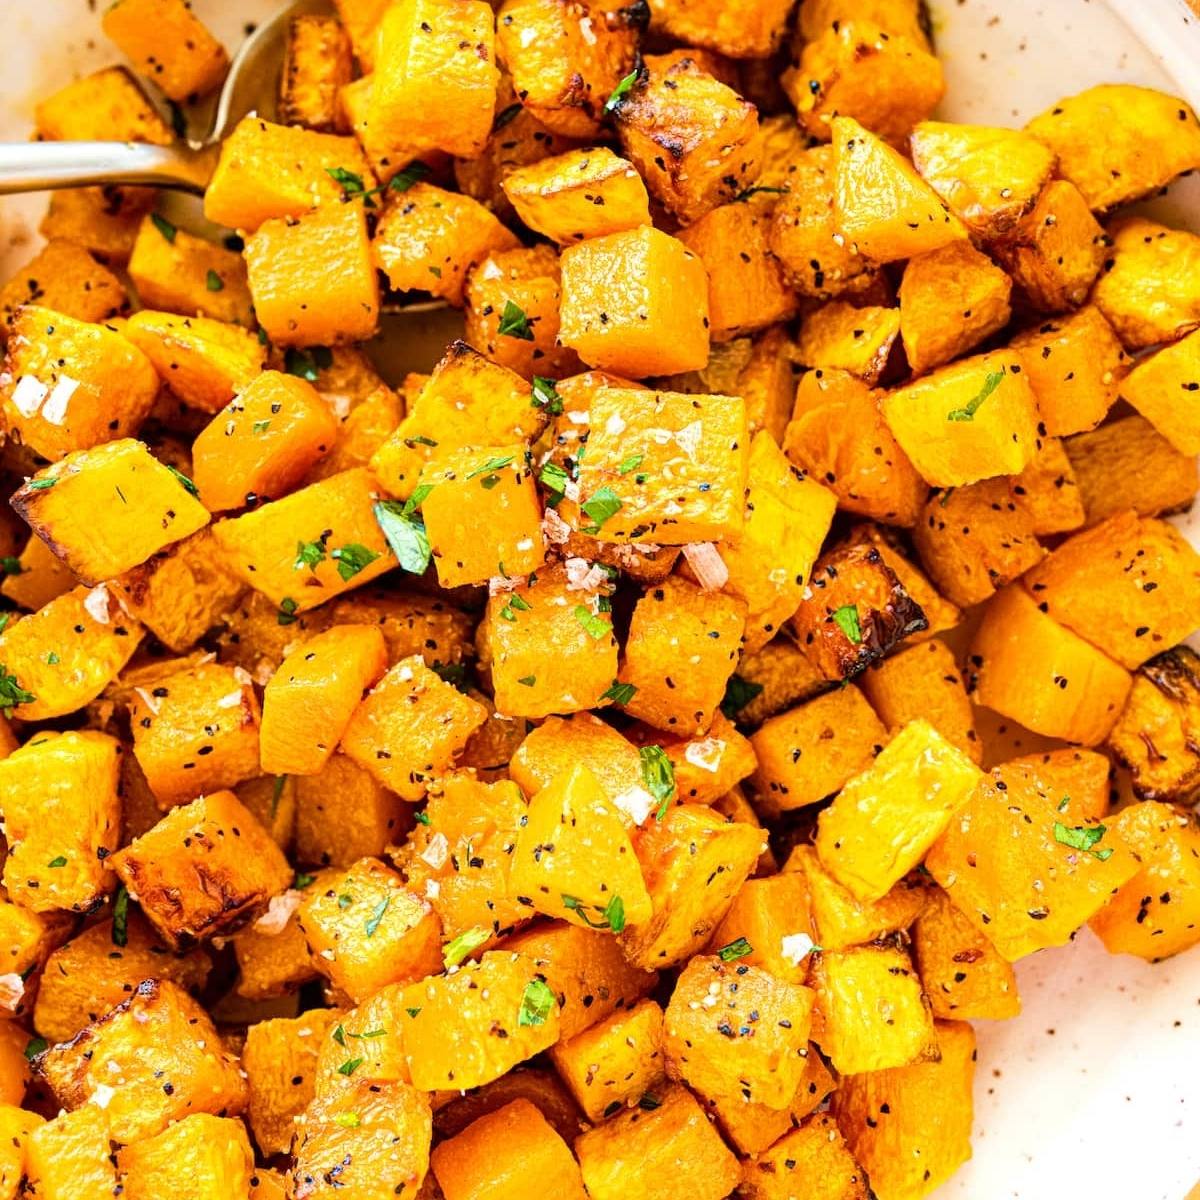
(36, 166)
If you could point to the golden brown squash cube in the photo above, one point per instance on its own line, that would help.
(1130, 586)
(841, 337)
(971, 420)
(62, 819)
(274, 962)
(974, 540)
(1150, 287)
(670, 1150)
(16, 1124)
(202, 1155)
(41, 576)
(317, 63)
(167, 43)
(910, 1126)
(410, 623)
(1149, 138)
(1080, 778)
(409, 728)
(880, 204)
(988, 177)
(750, 29)
(1154, 915)
(809, 752)
(65, 278)
(1055, 251)
(27, 939)
(763, 927)
(1021, 874)
(1128, 464)
(616, 1062)
(876, 1014)
(160, 1036)
(69, 385)
(706, 766)
(961, 972)
(1048, 492)
(853, 612)
(287, 258)
(102, 221)
(558, 742)
(581, 194)
(950, 300)
(812, 1157)
(692, 138)
(72, 1155)
(635, 303)
(205, 869)
(566, 59)
(838, 436)
(108, 104)
(1160, 388)
(361, 21)
(665, 467)
(1157, 735)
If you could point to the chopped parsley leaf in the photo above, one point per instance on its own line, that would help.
(514, 323)
(164, 227)
(455, 950)
(622, 90)
(411, 174)
(620, 693)
(307, 364)
(405, 534)
(350, 1066)
(11, 692)
(537, 1003)
(554, 477)
(213, 281)
(287, 611)
(593, 626)
(310, 554)
(738, 948)
(59, 861)
(990, 384)
(492, 464)
(376, 916)
(658, 774)
(546, 397)
(630, 464)
(1083, 837)
(183, 481)
(600, 506)
(120, 920)
(352, 558)
(846, 619)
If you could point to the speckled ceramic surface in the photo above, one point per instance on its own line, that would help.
(1095, 1090)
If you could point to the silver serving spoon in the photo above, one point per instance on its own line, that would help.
(250, 84)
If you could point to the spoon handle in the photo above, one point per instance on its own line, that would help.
(36, 166)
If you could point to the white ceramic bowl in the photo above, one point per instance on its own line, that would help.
(1094, 1091)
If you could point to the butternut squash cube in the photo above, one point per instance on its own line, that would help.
(558, 742)
(72, 1155)
(549, 647)
(268, 170)
(274, 962)
(410, 623)
(167, 42)
(318, 62)
(1032, 669)
(62, 816)
(812, 1156)
(361, 21)
(160, 1036)
(106, 104)
(1048, 491)
(16, 1124)
(205, 869)
(343, 814)
(203, 1155)
(409, 727)
(635, 303)
(27, 939)
(311, 545)
(745, 29)
(910, 1126)
(810, 751)
(366, 929)
(760, 929)
(880, 204)
(705, 766)
(580, 194)
(665, 1153)
(841, 337)
(69, 385)
(41, 576)
(1082, 778)
(104, 222)
(65, 278)
(1160, 388)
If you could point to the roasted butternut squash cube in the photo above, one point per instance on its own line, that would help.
(854, 611)
(286, 256)
(435, 80)
(812, 1157)
(573, 858)
(92, 973)
(567, 59)
(924, 681)
(275, 961)
(318, 62)
(66, 279)
(1048, 492)
(1160, 388)
(1030, 668)
(1081, 778)
(767, 926)
(1056, 250)
(841, 337)
(159, 1036)
(548, 646)
(1128, 464)
(705, 766)
(106, 104)
(364, 430)
(72, 1155)
(1035, 879)
(838, 436)
(910, 1126)
(746, 29)
(203, 1155)
(16, 1124)
(855, 68)
(882, 822)
(1128, 585)
(968, 421)
(1158, 732)
(311, 545)
(616, 1062)
(27, 939)
(810, 751)
(580, 194)
(429, 239)
(988, 177)
(1148, 289)
(880, 204)
(361, 21)
(503, 990)
(70, 385)
(690, 460)
(693, 862)
(962, 973)
(39, 576)
(409, 727)
(381, 1056)
(62, 816)
(713, 154)
(205, 869)
(1149, 138)
(268, 170)
(506, 1154)
(631, 303)
(558, 742)
(167, 43)
(410, 623)
(875, 1013)
(668, 1152)
(950, 300)
(102, 221)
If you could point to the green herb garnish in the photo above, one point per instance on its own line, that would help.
(619, 693)
(376, 916)
(120, 918)
(213, 281)
(455, 950)
(352, 558)
(990, 384)
(164, 227)
(545, 396)
(846, 619)
(1083, 837)
(593, 626)
(738, 948)
(621, 90)
(537, 1003)
(183, 481)
(514, 323)
(658, 774)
